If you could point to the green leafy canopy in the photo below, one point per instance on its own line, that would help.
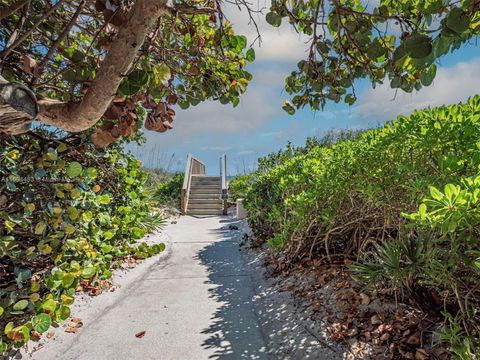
(395, 41)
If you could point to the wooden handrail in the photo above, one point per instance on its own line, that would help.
(223, 175)
(193, 167)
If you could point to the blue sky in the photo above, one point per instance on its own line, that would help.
(258, 125)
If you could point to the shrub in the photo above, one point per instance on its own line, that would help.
(274, 159)
(348, 199)
(68, 211)
(447, 259)
(168, 192)
(239, 186)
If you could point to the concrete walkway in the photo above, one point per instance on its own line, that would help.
(195, 305)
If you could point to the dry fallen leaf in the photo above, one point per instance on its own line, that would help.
(95, 292)
(50, 334)
(35, 336)
(75, 324)
(71, 330)
(421, 354)
(364, 299)
(406, 354)
(441, 353)
(385, 337)
(140, 334)
(352, 332)
(3, 200)
(376, 320)
(414, 339)
(76, 319)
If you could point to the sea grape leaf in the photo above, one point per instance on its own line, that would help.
(41, 323)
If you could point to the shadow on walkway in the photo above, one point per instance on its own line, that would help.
(234, 332)
(254, 320)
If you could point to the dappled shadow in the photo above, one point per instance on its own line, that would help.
(234, 332)
(253, 320)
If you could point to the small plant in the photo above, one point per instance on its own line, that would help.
(153, 221)
(395, 264)
(461, 344)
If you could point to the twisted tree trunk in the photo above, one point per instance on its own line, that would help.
(18, 106)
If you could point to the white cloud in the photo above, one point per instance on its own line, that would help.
(255, 108)
(281, 44)
(216, 148)
(274, 75)
(246, 152)
(451, 85)
(273, 133)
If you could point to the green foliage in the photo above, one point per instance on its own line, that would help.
(68, 212)
(168, 192)
(384, 41)
(274, 159)
(209, 58)
(152, 221)
(462, 344)
(395, 264)
(349, 199)
(239, 187)
(452, 259)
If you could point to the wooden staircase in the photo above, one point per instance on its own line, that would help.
(201, 194)
(205, 196)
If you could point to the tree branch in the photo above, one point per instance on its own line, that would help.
(191, 10)
(6, 11)
(22, 38)
(79, 116)
(41, 67)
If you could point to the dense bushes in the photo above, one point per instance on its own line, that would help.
(351, 199)
(169, 189)
(67, 212)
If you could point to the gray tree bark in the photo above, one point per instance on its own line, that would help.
(18, 107)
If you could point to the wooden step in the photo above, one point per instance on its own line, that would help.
(204, 207)
(205, 179)
(202, 186)
(204, 212)
(204, 201)
(204, 196)
(205, 191)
